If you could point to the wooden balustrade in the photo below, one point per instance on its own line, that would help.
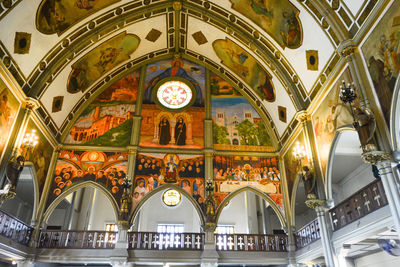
(77, 239)
(363, 202)
(165, 241)
(14, 229)
(245, 242)
(307, 234)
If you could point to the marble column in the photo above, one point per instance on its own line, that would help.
(119, 256)
(383, 162)
(209, 257)
(321, 209)
(291, 247)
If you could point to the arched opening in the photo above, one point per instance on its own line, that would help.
(347, 173)
(153, 215)
(24, 204)
(248, 213)
(83, 209)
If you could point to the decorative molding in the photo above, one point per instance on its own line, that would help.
(374, 157)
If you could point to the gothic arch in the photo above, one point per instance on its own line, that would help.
(161, 115)
(292, 200)
(36, 196)
(257, 192)
(329, 165)
(74, 188)
(395, 117)
(162, 188)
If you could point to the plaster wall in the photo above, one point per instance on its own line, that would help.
(377, 259)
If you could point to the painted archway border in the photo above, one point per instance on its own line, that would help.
(257, 192)
(395, 117)
(74, 188)
(164, 187)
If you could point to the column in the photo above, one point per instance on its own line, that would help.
(320, 208)
(291, 246)
(382, 160)
(119, 255)
(209, 257)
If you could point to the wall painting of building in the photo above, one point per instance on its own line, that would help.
(236, 124)
(108, 119)
(153, 170)
(108, 169)
(234, 172)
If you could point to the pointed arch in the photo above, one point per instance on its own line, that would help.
(263, 195)
(162, 188)
(395, 117)
(329, 165)
(292, 200)
(76, 187)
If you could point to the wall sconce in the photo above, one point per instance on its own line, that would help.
(15, 166)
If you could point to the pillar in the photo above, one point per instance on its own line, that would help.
(189, 140)
(291, 246)
(382, 160)
(119, 255)
(209, 257)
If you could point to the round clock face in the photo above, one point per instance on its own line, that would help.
(174, 94)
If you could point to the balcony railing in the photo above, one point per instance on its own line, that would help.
(14, 229)
(77, 239)
(363, 202)
(244, 242)
(307, 234)
(165, 241)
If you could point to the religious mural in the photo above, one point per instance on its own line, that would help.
(292, 167)
(57, 16)
(246, 66)
(175, 68)
(108, 169)
(8, 111)
(331, 114)
(162, 128)
(100, 60)
(236, 124)
(234, 172)
(40, 156)
(108, 119)
(279, 18)
(153, 170)
(383, 57)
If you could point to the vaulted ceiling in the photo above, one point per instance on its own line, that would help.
(295, 42)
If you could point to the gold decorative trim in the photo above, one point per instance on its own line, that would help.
(373, 157)
(315, 203)
(348, 51)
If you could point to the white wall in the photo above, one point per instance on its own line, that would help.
(154, 212)
(102, 212)
(382, 259)
(236, 214)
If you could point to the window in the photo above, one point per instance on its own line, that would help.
(111, 227)
(169, 233)
(174, 94)
(223, 231)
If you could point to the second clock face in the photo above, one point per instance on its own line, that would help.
(174, 94)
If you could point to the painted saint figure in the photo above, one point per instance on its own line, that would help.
(180, 132)
(164, 132)
(170, 174)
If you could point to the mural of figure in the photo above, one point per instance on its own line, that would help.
(365, 126)
(176, 69)
(180, 132)
(309, 183)
(170, 174)
(164, 132)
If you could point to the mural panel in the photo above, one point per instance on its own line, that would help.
(246, 66)
(328, 117)
(57, 16)
(234, 172)
(236, 124)
(291, 165)
(108, 169)
(100, 60)
(175, 67)
(40, 157)
(279, 18)
(382, 55)
(108, 119)
(8, 112)
(153, 170)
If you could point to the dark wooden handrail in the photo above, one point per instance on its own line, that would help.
(165, 241)
(366, 200)
(14, 228)
(308, 234)
(251, 242)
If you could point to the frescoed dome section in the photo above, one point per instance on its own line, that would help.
(57, 16)
(236, 124)
(108, 119)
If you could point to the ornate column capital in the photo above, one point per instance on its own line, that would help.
(317, 204)
(348, 51)
(373, 157)
(31, 103)
(303, 116)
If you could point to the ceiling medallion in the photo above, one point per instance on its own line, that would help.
(171, 197)
(174, 95)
